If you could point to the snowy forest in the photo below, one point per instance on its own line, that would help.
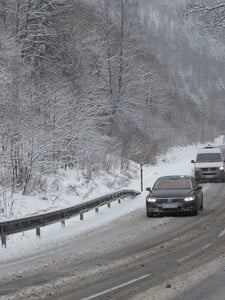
(95, 84)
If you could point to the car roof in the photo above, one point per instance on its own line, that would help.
(176, 177)
(209, 150)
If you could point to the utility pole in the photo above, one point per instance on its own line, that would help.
(141, 169)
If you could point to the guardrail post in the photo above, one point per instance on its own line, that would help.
(63, 223)
(109, 204)
(81, 215)
(3, 238)
(96, 210)
(38, 231)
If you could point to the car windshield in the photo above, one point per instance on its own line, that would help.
(171, 183)
(208, 157)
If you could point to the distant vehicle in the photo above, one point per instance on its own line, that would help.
(209, 165)
(174, 194)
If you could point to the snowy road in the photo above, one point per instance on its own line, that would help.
(133, 257)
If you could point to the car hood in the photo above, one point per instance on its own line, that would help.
(170, 193)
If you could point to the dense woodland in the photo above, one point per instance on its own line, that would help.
(94, 84)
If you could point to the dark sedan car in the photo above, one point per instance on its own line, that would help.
(174, 194)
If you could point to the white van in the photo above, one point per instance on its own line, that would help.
(209, 165)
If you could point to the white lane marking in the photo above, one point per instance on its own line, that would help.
(185, 257)
(206, 246)
(221, 233)
(116, 287)
(194, 252)
(17, 262)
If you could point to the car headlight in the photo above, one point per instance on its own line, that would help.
(221, 168)
(190, 198)
(150, 199)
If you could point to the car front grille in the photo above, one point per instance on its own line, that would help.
(209, 169)
(169, 200)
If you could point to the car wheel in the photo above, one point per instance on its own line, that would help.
(149, 214)
(201, 206)
(194, 212)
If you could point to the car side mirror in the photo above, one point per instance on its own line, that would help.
(199, 187)
(192, 161)
(148, 189)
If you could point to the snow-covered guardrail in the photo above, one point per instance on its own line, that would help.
(38, 221)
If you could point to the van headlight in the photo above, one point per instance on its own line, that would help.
(151, 199)
(221, 168)
(190, 198)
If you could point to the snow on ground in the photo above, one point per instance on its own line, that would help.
(70, 190)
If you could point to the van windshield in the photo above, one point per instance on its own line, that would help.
(208, 157)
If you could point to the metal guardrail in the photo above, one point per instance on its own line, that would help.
(37, 221)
